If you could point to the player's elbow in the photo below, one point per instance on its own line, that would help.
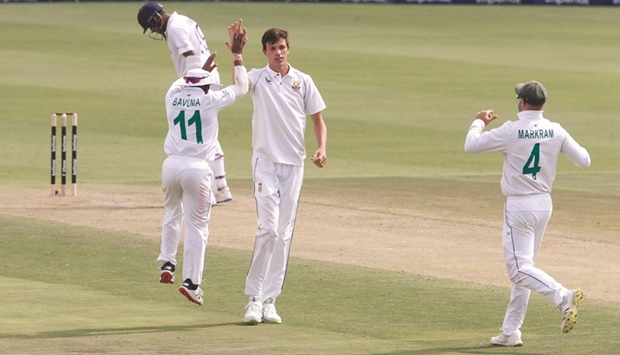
(585, 161)
(241, 86)
(239, 90)
(470, 147)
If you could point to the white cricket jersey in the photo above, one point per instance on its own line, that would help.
(280, 108)
(192, 119)
(183, 34)
(531, 146)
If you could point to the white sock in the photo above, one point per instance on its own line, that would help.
(221, 182)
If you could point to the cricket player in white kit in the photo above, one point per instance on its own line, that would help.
(282, 97)
(531, 146)
(188, 50)
(187, 179)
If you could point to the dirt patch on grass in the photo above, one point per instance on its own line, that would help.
(440, 239)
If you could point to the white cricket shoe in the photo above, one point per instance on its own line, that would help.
(253, 313)
(270, 315)
(572, 301)
(192, 292)
(505, 340)
(222, 194)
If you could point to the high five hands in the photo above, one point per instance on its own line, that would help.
(238, 37)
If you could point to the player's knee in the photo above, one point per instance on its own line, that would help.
(513, 273)
(268, 231)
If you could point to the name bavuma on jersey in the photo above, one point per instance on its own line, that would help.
(186, 102)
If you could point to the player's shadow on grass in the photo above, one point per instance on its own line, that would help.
(77, 333)
(483, 349)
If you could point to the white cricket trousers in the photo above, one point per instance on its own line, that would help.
(186, 183)
(525, 220)
(216, 162)
(277, 189)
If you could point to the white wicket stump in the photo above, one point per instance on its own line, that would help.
(63, 153)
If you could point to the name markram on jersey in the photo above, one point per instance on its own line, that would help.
(535, 133)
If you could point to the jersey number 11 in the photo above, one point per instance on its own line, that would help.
(195, 119)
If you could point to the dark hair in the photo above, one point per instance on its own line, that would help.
(273, 35)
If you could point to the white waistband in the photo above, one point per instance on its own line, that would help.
(528, 197)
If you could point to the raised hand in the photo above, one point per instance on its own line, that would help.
(487, 116)
(238, 37)
(210, 64)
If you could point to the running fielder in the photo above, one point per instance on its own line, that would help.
(188, 50)
(531, 146)
(187, 178)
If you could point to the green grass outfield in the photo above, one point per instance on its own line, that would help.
(82, 290)
(402, 84)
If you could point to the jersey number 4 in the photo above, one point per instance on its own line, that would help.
(531, 166)
(194, 120)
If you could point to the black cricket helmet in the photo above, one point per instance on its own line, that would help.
(147, 13)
